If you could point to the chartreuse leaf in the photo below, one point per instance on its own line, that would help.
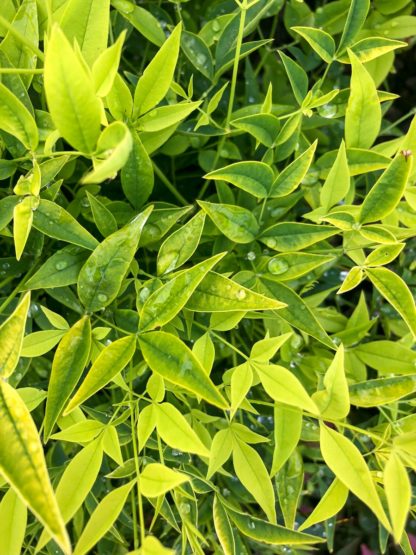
(168, 356)
(354, 277)
(216, 293)
(265, 349)
(363, 115)
(13, 518)
(76, 483)
(100, 278)
(241, 382)
(395, 291)
(22, 223)
(103, 518)
(157, 479)
(40, 342)
(250, 470)
(104, 69)
(235, 222)
(349, 466)
(287, 430)
(111, 360)
(165, 116)
(387, 357)
(291, 177)
(69, 362)
(142, 20)
(398, 493)
(180, 245)
(254, 177)
(221, 449)
(289, 482)
(103, 218)
(297, 77)
(294, 236)
(267, 532)
(337, 183)
(22, 464)
(175, 431)
(283, 386)
(369, 48)
(80, 432)
(223, 528)
(157, 77)
(331, 503)
(355, 20)
(152, 546)
(87, 21)
(291, 265)
(12, 331)
(16, 119)
(165, 303)
(373, 393)
(384, 254)
(387, 191)
(137, 177)
(263, 127)
(319, 40)
(113, 149)
(73, 105)
(54, 221)
(333, 401)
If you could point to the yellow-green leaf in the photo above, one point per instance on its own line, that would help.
(13, 518)
(157, 479)
(12, 331)
(398, 493)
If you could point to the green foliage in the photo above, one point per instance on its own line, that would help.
(207, 321)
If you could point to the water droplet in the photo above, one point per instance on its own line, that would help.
(252, 525)
(251, 256)
(102, 298)
(356, 226)
(6, 266)
(216, 26)
(241, 294)
(336, 340)
(144, 293)
(277, 266)
(327, 111)
(185, 508)
(61, 265)
(270, 242)
(201, 59)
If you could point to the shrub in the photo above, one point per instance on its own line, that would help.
(206, 311)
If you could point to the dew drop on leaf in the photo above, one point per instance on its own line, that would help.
(277, 266)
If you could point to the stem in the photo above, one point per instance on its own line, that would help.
(169, 185)
(20, 70)
(235, 66)
(136, 461)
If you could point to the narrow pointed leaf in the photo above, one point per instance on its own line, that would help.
(254, 177)
(12, 331)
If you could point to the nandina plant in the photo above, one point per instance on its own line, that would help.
(207, 221)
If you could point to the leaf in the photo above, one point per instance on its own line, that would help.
(13, 519)
(289, 482)
(269, 533)
(354, 277)
(31, 396)
(22, 223)
(283, 386)
(223, 528)
(357, 14)
(291, 265)
(337, 183)
(163, 117)
(297, 77)
(69, 362)
(176, 432)
(384, 254)
(142, 20)
(180, 245)
(157, 77)
(329, 505)
(387, 191)
(265, 349)
(387, 357)
(167, 301)
(103, 218)
(16, 119)
(395, 291)
(254, 177)
(241, 382)
(252, 473)
(111, 444)
(76, 483)
(111, 360)
(263, 127)
(100, 278)
(216, 293)
(113, 149)
(152, 546)
(40, 342)
(198, 53)
(221, 449)
(102, 518)
(24, 468)
(235, 222)
(369, 48)
(363, 115)
(72, 102)
(137, 177)
(104, 69)
(334, 400)
(319, 40)
(157, 479)
(373, 393)
(287, 430)
(81, 432)
(294, 236)
(349, 466)
(56, 222)
(170, 357)
(87, 22)
(291, 177)
(398, 493)
(12, 331)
